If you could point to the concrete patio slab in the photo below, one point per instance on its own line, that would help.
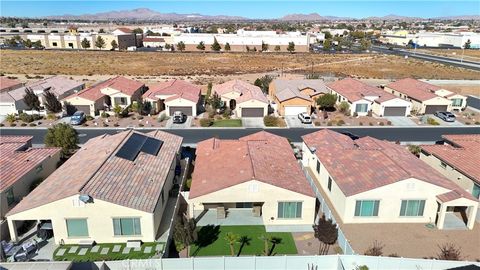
(73, 250)
(126, 250)
(116, 248)
(83, 251)
(104, 251)
(293, 122)
(234, 217)
(253, 122)
(61, 252)
(95, 249)
(400, 121)
(159, 247)
(147, 250)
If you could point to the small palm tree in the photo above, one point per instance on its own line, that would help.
(266, 240)
(117, 110)
(231, 239)
(11, 118)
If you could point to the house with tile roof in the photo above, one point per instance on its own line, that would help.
(8, 104)
(363, 98)
(7, 84)
(60, 86)
(373, 181)
(174, 95)
(21, 167)
(292, 97)
(104, 96)
(458, 160)
(114, 189)
(426, 98)
(243, 98)
(254, 180)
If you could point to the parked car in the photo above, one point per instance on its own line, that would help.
(77, 118)
(445, 116)
(305, 118)
(179, 117)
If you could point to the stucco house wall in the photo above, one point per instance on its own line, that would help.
(180, 102)
(379, 108)
(251, 104)
(94, 105)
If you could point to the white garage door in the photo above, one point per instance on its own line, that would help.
(294, 110)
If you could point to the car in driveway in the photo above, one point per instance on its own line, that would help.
(77, 118)
(179, 117)
(445, 116)
(305, 118)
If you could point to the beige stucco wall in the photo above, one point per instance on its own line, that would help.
(81, 101)
(455, 176)
(292, 102)
(182, 103)
(378, 109)
(253, 103)
(464, 102)
(419, 106)
(268, 194)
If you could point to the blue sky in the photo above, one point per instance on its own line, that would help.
(250, 9)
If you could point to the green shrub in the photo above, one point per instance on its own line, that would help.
(26, 118)
(317, 123)
(13, 125)
(270, 121)
(389, 123)
(344, 107)
(468, 123)
(361, 123)
(370, 124)
(89, 118)
(330, 123)
(32, 124)
(140, 117)
(140, 125)
(188, 184)
(23, 124)
(382, 124)
(206, 122)
(477, 122)
(37, 117)
(340, 122)
(227, 113)
(104, 115)
(51, 116)
(432, 122)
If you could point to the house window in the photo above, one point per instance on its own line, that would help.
(318, 167)
(443, 164)
(412, 208)
(361, 108)
(367, 208)
(457, 102)
(126, 226)
(339, 98)
(476, 191)
(289, 209)
(39, 168)
(77, 227)
(10, 197)
(329, 183)
(54, 44)
(121, 100)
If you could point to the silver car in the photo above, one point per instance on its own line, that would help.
(445, 116)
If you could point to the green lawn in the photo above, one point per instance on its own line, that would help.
(227, 123)
(211, 241)
(110, 256)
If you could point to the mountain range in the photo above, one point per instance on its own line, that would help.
(145, 14)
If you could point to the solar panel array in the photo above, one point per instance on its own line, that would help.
(139, 143)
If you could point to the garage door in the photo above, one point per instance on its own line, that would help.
(394, 111)
(431, 109)
(83, 108)
(7, 109)
(294, 110)
(184, 110)
(252, 112)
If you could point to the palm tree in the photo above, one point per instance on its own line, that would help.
(265, 240)
(275, 241)
(11, 118)
(231, 239)
(117, 110)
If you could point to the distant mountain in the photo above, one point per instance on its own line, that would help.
(392, 17)
(463, 17)
(311, 17)
(143, 14)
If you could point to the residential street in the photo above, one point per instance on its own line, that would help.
(194, 135)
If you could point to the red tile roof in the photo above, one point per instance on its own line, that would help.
(17, 159)
(367, 163)
(153, 39)
(179, 88)
(125, 29)
(464, 155)
(355, 90)
(450, 196)
(96, 171)
(119, 83)
(8, 84)
(247, 91)
(415, 89)
(261, 156)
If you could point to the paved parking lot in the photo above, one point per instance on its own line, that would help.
(401, 121)
(186, 124)
(253, 122)
(293, 122)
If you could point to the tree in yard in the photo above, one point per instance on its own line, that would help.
(181, 46)
(201, 46)
(62, 135)
(227, 47)
(344, 107)
(467, 45)
(31, 100)
(51, 102)
(449, 252)
(365, 44)
(147, 107)
(101, 30)
(291, 47)
(11, 118)
(264, 47)
(327, 44)
(209, 91)
(28, 43)
(117, 110)
(266, 240)
(138, 31)
(185, 232)
(328, 35)
(327, 233)
(215, 101)
(264, 83)
(100, 42)
(37, 44)
(167, 46)
(215, 46)
(85, 43)
(114, 45)
(375, 250)
(232, 239)
(326, 101)
(277, 48)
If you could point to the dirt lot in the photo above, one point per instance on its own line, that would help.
(217, 66)
(471, 55)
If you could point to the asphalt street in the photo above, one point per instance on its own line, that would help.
(191, 136)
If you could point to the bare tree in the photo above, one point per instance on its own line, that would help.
(450, 252)
(375, 250)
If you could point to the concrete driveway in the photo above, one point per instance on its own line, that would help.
(293, 122)
(253, 122)
(401, 121)
(186, 124)
(443, 123)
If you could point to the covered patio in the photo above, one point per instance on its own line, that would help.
(233, 217)
(455, 211)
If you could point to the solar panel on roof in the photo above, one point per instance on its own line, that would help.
(132, 147)
(152, 146)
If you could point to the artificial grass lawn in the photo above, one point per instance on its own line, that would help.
(211, 241)
(110, 256)
(227, 123)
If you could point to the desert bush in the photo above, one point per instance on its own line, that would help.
(330, 123)
(26, 118)
(376, 249)
(340, 123)
(140, 125)
(51, 116)
(344, 107)
(270, 121)
(360, 123)
(104, 115)
(13, 125)
(317, 123)
(389, 123)
(432, 122)
(89, 118)
(450, 252)
(477, 122)
(206, 122)
(468, 123)
(227, 113)
(23, 124)
(382, 124)
(32, 124)
(370, 124)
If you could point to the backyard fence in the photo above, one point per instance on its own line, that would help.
(342, 240)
